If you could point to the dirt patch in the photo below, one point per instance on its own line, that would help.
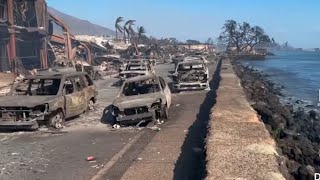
(295, 129)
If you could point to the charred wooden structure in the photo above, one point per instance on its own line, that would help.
(23, 34)
(27, 39)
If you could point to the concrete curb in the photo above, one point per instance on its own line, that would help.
(238, 145)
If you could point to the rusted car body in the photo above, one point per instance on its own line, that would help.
(142, 98)
(136, 69)
(76, 66)
(191, 75)
(47, 99)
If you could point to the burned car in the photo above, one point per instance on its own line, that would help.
(191, 75)
(47, 100)
(76, 65)
(142, 98)
(136, 69)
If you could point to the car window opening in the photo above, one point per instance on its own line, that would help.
(186, 67)
(140, 87)
(131, 67)
(38, 87)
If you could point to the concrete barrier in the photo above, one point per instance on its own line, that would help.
(238, 145)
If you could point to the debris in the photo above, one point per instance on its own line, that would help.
(13, 154)
(158, 122)
(116, 126)
(140, 159)
(138, 125)
(90, 158)
(155, 128)
(177, 105)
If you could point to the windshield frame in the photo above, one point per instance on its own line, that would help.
(29, 84)
(136, 65)
(190, 64)
(156, 82)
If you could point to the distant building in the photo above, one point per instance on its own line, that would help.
(199, 47)
(23, 34)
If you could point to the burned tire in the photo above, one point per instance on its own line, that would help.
(57, 120)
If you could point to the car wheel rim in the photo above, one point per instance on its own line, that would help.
(57, 121)
(91, 105)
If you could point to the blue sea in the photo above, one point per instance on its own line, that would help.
(297, 71)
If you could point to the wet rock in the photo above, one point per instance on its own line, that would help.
(297, 130)
(309, 106)
(292, 166)
(317, 161)
(305, 173)
(314, 115)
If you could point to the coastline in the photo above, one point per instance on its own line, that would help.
(293, 126)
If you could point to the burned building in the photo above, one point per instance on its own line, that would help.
(23, 34)
(28, 37)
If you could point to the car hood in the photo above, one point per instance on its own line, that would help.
(24, 101)
(136, 101)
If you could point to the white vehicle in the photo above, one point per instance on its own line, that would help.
(136, 69)
(191, 75)
(142, 98)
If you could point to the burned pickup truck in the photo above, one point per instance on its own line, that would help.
(142, 98)
(136, 69)
(191, 75)
(47, 99)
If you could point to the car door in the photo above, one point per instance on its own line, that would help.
(81, 95)
(90, 89)
(166, 90)
(74, 98)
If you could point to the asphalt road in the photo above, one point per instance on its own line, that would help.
(47, 154)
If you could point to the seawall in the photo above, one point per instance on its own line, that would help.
(238, 145)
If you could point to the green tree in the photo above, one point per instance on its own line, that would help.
(242, 36)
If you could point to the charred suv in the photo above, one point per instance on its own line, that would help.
(191, 75)
(136, 69)
(142, 98)
(47, 99)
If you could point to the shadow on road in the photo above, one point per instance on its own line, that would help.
(191, 163)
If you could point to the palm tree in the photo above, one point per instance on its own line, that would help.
(118, 27)
(127, 27)
(140, 32)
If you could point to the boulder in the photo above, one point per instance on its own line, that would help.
(306, 172)
(314, 115)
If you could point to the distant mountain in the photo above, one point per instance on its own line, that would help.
(81, 27)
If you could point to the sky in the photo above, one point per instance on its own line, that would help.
(295, 21)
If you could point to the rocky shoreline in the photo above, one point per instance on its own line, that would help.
(295, 128)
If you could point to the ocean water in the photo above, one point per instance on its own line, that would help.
(297, 71)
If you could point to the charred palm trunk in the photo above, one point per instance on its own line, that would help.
(116, 33)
